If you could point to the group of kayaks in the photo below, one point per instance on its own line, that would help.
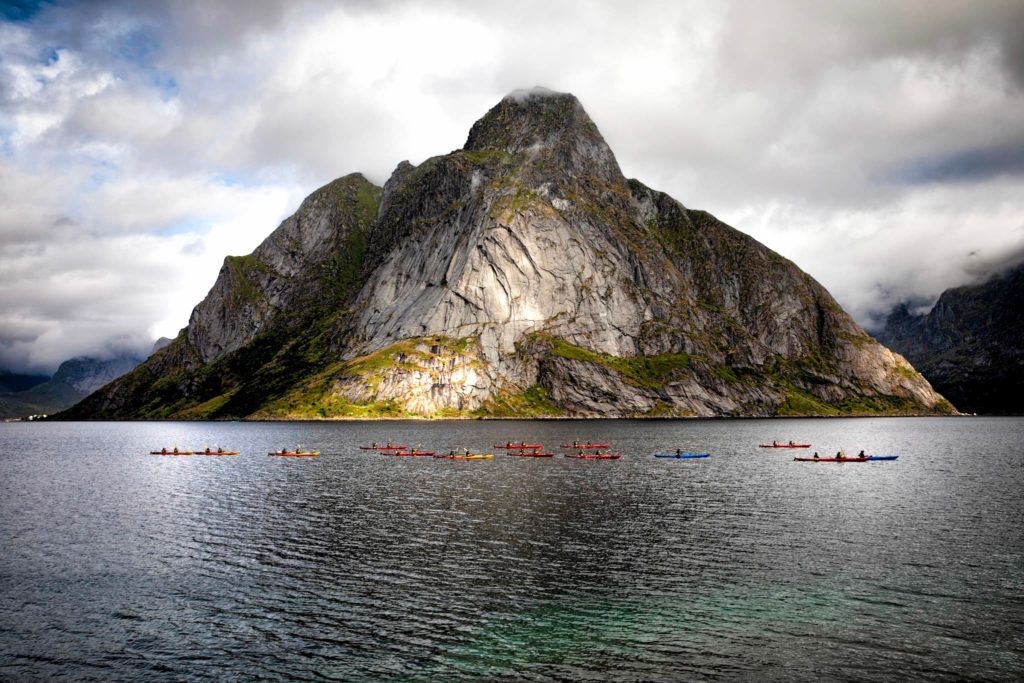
(206, 451)
(403, 451)
(520, 449)
(286, 452)
(578, 450)
(840, 456)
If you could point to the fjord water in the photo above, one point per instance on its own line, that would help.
(118, 565)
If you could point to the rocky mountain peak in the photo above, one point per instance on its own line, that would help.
(546, 124)
(86, 374)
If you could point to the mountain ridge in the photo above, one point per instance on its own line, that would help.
(74, 379)
(520, 275)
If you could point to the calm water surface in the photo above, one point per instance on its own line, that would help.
(117, 565)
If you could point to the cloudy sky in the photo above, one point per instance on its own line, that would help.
(879, 145)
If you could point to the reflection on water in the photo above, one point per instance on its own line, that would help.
(119, 565)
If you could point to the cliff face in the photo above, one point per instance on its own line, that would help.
(520, 275)
(970, 345)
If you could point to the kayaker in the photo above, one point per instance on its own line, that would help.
(861, 455)
(451, 452)
(840, 455)
(816, 455)
(775, 443)
(175, 449)
(679, 452)
(791, 442)
(373, 445)
(508, 444)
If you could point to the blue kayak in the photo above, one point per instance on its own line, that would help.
(682, 455)
(882, 457)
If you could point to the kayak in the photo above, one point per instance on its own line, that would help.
(594, 456)
(585, 446)
(521, 446)
(849, 459)
(682, 456)
(296, 454)
(832, 459)
(471, 456)
(167, 452)
(532, 454)
(407, 453)
(217, 452)
(784, 445)
(383, 448)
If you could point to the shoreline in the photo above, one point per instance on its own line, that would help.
(413, 418)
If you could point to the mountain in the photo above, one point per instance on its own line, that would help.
(522, 275)
(74, 380)
(970, 345)
(160, 343)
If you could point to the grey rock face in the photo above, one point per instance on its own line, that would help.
(286, 271)
(86, 375)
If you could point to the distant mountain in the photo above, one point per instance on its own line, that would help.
(160, 343)
(970, 345)
(74, 380)
(522, 275)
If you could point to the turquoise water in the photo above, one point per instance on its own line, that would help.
(118, 565)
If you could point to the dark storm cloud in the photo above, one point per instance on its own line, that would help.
(20, 10)
(973, 165)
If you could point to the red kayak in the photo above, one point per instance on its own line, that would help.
(595, 456)
(832, 459)
(521, 446)
(532, 454)
(784, 445)
(412, 454)
(384, 448)
(584, 445)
